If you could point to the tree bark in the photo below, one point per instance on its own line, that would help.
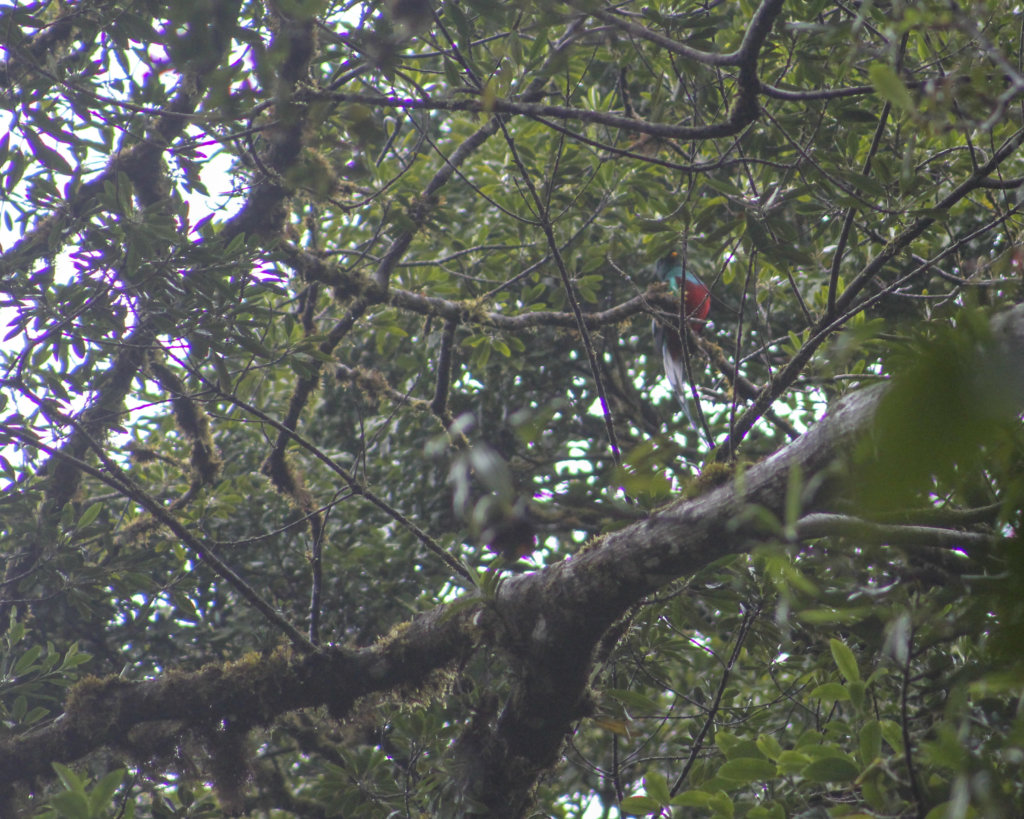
(546, 623)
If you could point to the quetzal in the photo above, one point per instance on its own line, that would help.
(695, 306)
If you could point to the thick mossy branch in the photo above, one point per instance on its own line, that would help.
(193, 423)
(251, 691)
(265, 212)
(548, 625)
(143, 163)
(556, 618)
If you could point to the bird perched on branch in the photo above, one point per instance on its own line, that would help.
(695, 305)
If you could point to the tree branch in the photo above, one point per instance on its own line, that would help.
(828, 324)
(548, 624)
(760, 25)
(827, 525)
(556, 617)
(101, 713)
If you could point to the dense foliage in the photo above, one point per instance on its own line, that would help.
(320, 314)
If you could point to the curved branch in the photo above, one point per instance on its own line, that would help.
(115, 477)
(828, 525)
(793, 95)
(760, 25)
(555, 618)
(549, 624)
(314, 268)
(101, 713)
(744, 112)
(355, 486)
(829, 323)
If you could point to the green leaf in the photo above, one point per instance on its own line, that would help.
(47, 156)
(462, 23)
(836, 616)
(653, 225)
(27, 661)
(831, 692)
(693, 799)
(71, 780)
(90, 515)
(857, 690)
(735, 747)
(889, 86)
(870, 741)
(33, 716)
(722, 805)
(791, 762)
(945, 810)
(103, 791)
(769, 746)
(656, 787)
(638, 703)
(73, 657)
(892, 733)
(638, 805)
(72, 805)
(846, 662)
(772, 811)
(831, 769)
(746, 770)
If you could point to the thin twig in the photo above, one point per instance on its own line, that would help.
(116, 478)
(556, 253)
(748, 620)
(356, 487)
(908, 754)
